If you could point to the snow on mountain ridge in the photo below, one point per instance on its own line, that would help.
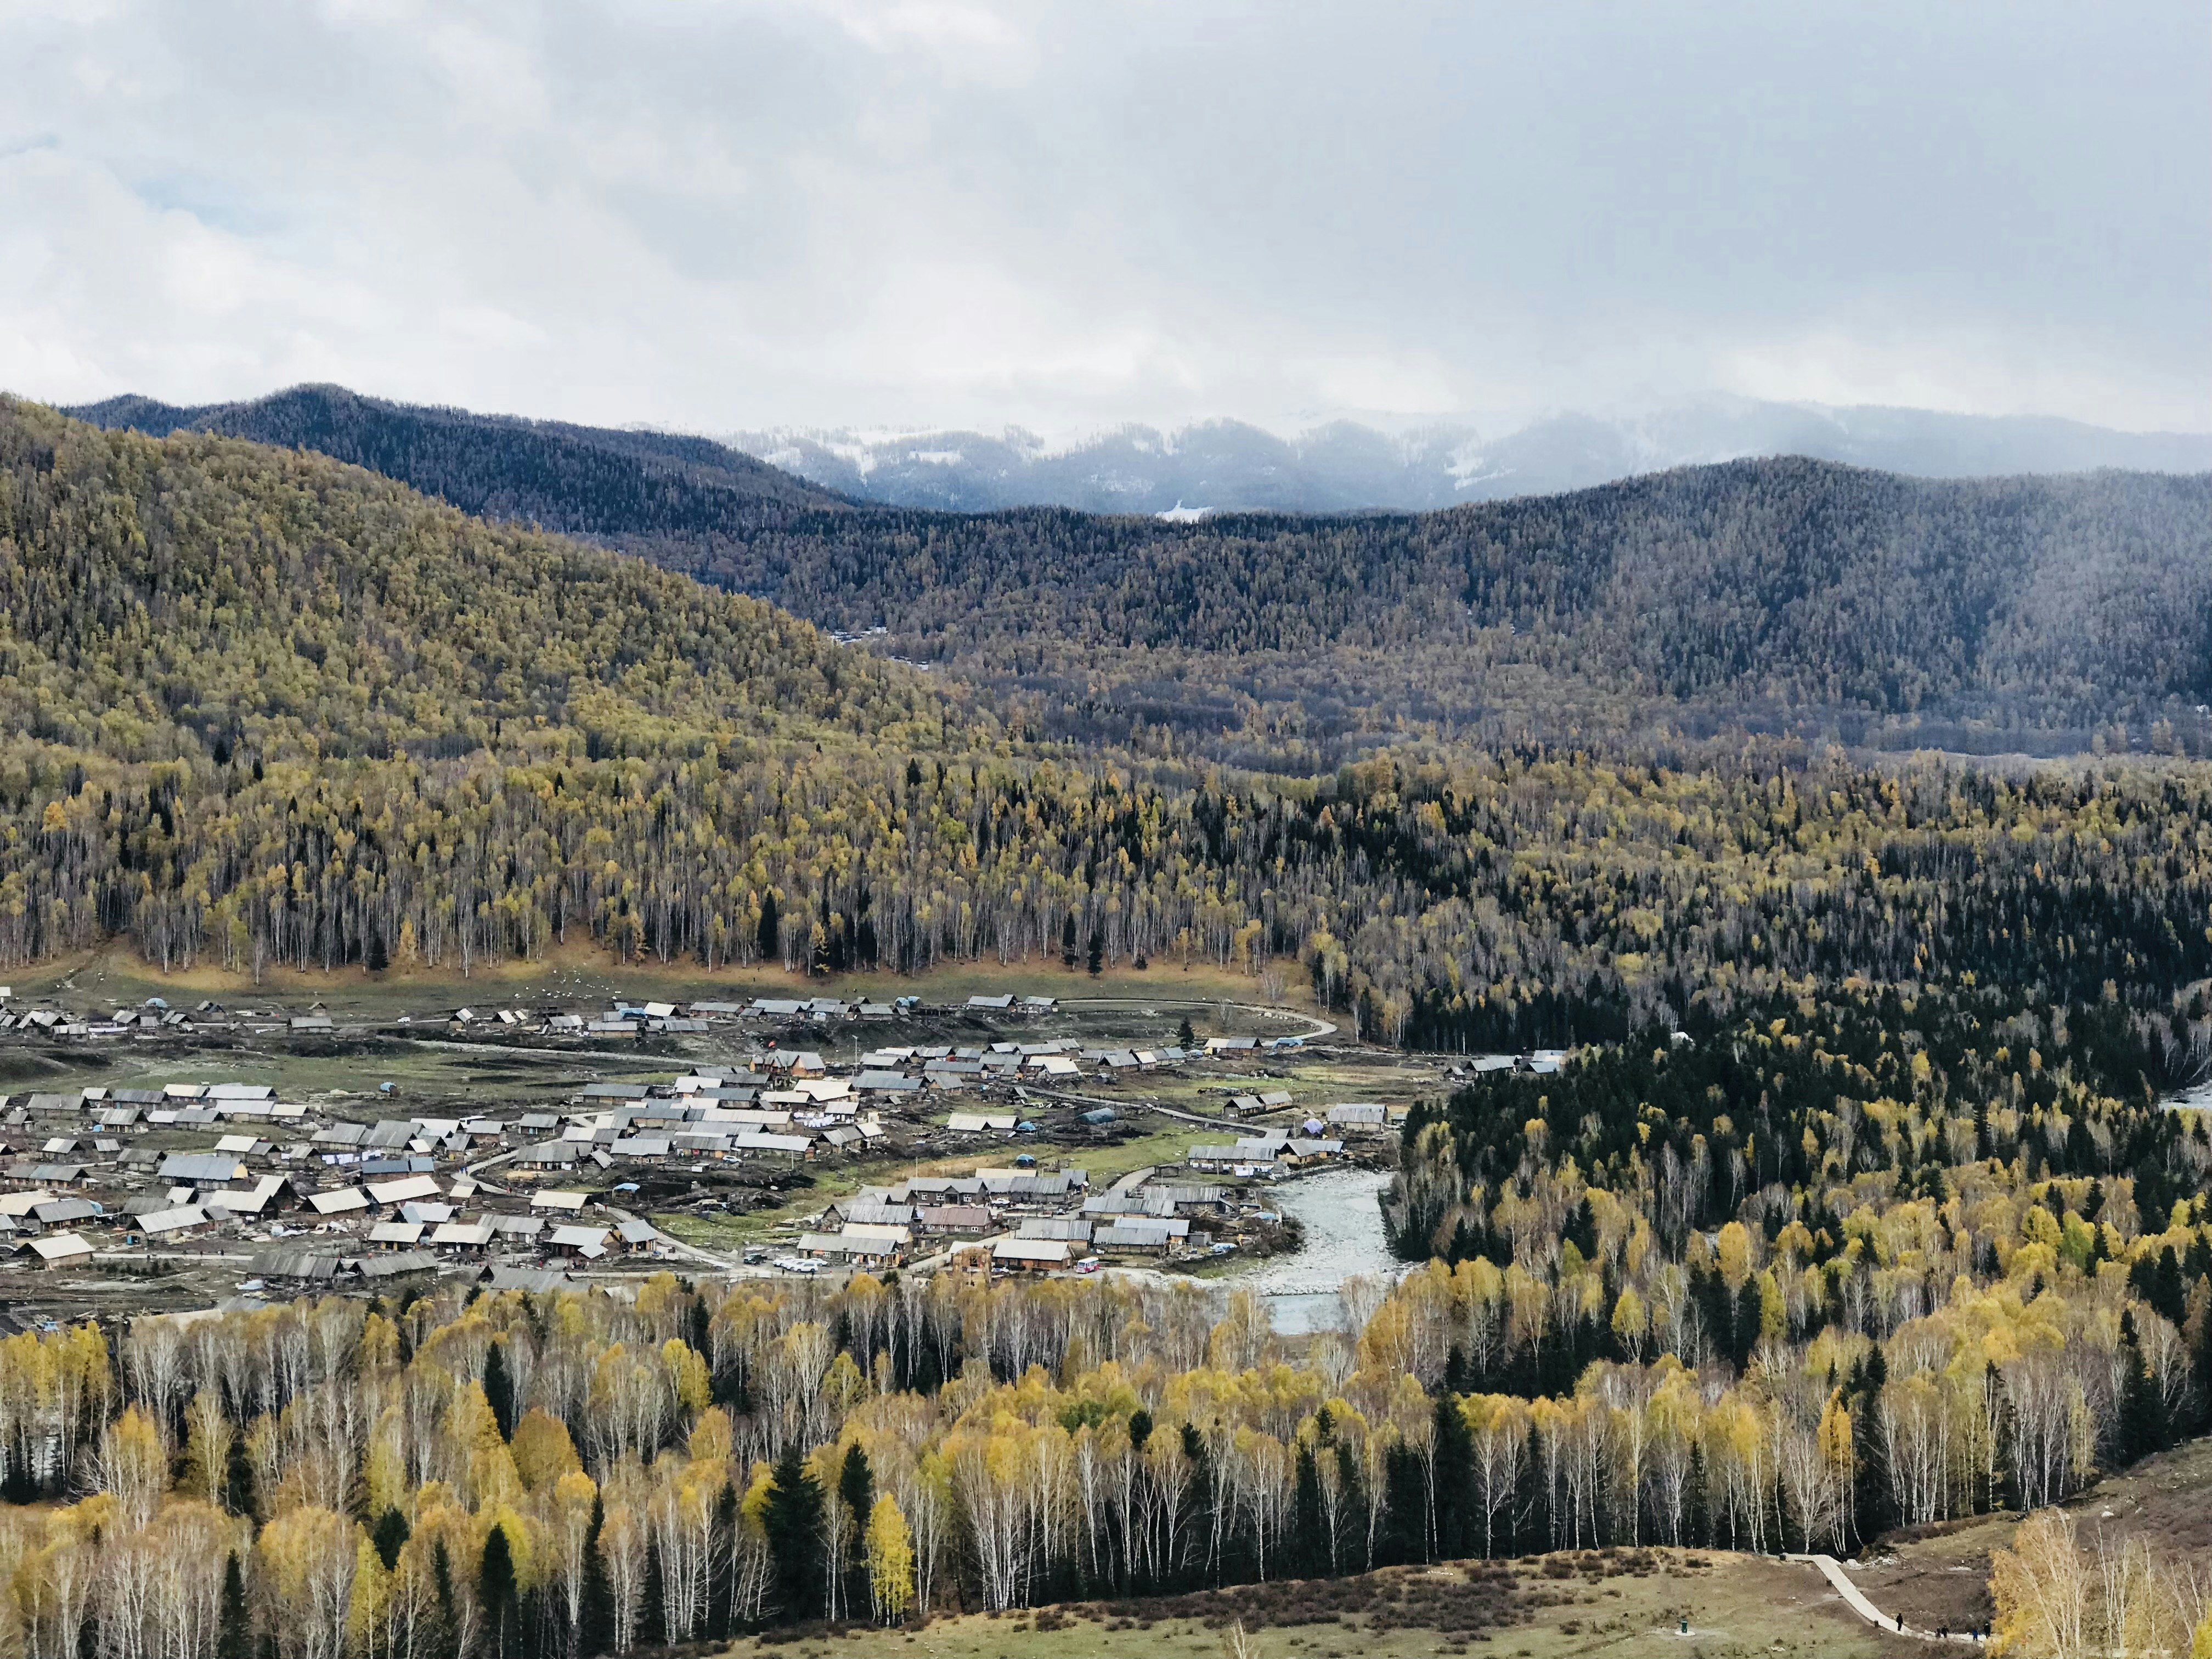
(1345, 465)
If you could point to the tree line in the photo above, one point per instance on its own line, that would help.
(448, 1473)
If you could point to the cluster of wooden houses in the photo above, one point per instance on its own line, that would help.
(224, 1169)
(1022, 1219)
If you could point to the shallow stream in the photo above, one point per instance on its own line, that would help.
(1342, 1214)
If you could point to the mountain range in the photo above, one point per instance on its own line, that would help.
(608, 482)
(1345, 465)
(1788, 593)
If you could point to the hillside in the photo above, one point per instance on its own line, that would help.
(1784, 592)
(586, 481)
(260, 705)
(207, 595)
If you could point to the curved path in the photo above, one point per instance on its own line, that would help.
(1855, 1598)
(1320, 1028)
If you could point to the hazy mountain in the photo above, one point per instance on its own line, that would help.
(1347, 466)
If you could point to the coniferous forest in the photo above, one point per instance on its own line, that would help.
(1856, 1202)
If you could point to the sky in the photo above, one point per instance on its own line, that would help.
(815, 213)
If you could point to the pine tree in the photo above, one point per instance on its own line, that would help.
(1204, 1489)
(2204, 1372)
(1874, 1499)
(721, 1588)
(2170, 1293)
(1696, 1506)
(1186, 1037)
(1532, 1510)
(441, 1580)
(1309, 1527)
(1582, 1230)
(2003, 1489)
(769, 937)
(856, 1493)
(234, 1627)
(1406, 1520)
(653, 1607)
(595, 1632)
(1457, 1379)
(792, 1522)
(496, 1596)
(856, 1484)
(1453, 1474)
(2143, 1428)
(1095, 958)
(391, 1535)
(1354, 1501)
(238, 1493)
(499, 1388)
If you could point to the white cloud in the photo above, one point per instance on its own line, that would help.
(1062, 214)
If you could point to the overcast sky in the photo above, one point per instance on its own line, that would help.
(809, 212)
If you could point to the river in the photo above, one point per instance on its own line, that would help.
(1342, 1216)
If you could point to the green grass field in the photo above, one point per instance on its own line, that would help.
(1736, 1607)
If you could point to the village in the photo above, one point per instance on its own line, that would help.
(1012, 1155)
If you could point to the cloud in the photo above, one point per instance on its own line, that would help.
(801, 211)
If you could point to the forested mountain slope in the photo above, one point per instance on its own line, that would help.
(207, 594)
(1782, 585)
(1791, 594)
(586, 481)
(250, 695)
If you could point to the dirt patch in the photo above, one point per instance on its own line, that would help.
(1460, 1603)
(1939, 1575)
(1936, 1582)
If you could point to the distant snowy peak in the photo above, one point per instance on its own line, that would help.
(1347, 465)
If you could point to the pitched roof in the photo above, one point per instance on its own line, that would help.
(406, 1188)
(174, 1221)
(1030, 1249)
(202, 1167)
